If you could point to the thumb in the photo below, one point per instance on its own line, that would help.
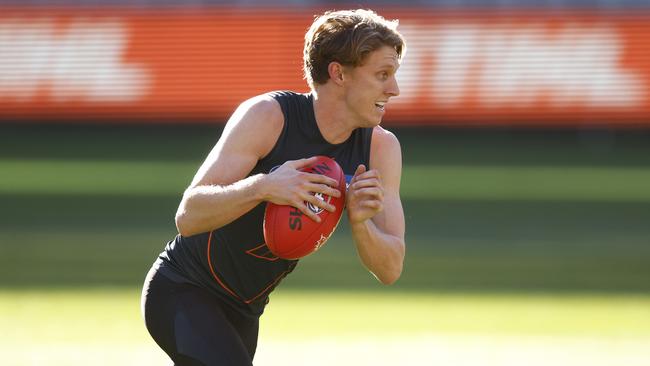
(301, 163)
(360, 170)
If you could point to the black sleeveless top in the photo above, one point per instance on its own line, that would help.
(233, 261)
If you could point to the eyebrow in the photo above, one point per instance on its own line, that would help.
(388, 66)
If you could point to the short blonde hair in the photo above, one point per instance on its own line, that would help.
(347, 37)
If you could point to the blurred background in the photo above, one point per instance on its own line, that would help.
(525, 130)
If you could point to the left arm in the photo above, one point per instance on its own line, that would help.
(375, 209)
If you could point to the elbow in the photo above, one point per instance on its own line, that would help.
(391, 277)
(394, 271)
(186, 224)
(183, 224)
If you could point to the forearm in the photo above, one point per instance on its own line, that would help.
(208, 207)
(381, 253)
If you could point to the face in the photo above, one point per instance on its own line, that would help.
(369, 87)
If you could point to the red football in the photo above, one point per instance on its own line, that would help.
(289, 233)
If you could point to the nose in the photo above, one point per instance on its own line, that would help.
(392, 89)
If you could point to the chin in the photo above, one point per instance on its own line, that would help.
(369, 120)
(373, 121)
(369, 123)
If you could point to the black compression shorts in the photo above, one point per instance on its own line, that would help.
(194, 327)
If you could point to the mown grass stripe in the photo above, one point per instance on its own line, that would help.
(418, 182)
(526, 183)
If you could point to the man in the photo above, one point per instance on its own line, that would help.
(204, 295)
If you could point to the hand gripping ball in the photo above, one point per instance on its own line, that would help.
(290, 234)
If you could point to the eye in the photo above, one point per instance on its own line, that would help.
(383, 75)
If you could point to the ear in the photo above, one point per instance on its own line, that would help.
(335, 70)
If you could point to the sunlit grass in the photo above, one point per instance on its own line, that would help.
(96, 315)
(368, 313)
(103, 326)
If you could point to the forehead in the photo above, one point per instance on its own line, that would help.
(383, 57)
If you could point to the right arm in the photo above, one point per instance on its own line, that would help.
(221, 191)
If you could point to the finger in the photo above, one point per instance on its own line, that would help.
(324, 189)
(373, 173)
(309, 213)
(373, 204)
(360, 170)
(368, 196)
(369, 193)
(363, 183)
(319, 202)
(319, 178)
(301, 163)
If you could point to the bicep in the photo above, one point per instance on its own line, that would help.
(386, 157)
(245, 139)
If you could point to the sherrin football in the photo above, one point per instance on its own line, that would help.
(289, 233)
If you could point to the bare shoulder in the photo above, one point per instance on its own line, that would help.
(263, 105)
(385, 148)
(249, 135)
(258, 121)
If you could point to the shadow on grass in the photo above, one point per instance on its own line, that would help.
(69, 241)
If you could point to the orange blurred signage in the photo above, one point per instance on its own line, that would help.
(121, 65)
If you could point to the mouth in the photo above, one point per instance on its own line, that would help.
(381, 106)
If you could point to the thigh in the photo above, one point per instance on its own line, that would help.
(189, 324)
(247, 326)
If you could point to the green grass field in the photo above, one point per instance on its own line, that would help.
(102, 326)
(528, 244)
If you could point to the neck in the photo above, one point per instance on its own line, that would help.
(331, 116)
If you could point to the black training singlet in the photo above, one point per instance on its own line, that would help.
(233, 261)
